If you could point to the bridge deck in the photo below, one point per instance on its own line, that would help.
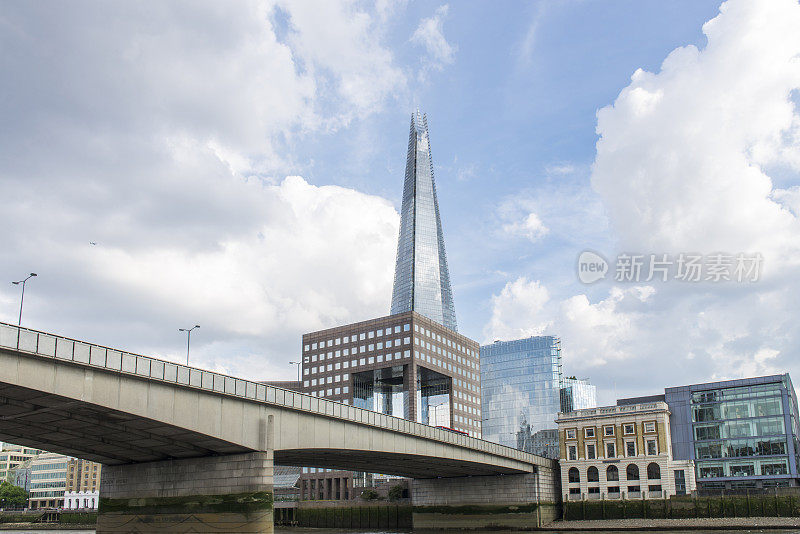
(43, 418)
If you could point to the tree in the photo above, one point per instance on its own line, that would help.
(11, 495)
(396, 492)
(369, 494)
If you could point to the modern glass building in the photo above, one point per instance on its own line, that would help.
(520, 387)
(741, 434)
(421, 277)
(577, 394)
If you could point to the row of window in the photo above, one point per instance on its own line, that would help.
(590, 449)
(445, 353)
(609, 430)
(445, 365)
(380, 358)
(444, 340)
(653, 488)
(612, 473)
(371, 347)
(326, 380)
(355, 338)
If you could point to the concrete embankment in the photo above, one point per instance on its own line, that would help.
(685, 524)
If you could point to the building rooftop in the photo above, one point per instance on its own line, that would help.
(606, 411)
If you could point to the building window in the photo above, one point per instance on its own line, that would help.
(632, 472)
(630, 448)
(572, 452)
(654, 487)
(608, 430)
(612, 474)
(574, 475)
(571, 433)
(652, 448)
(650, 427)
(588, 432)
(591, 452)
(633, 489)
(611, 450)
(592, 474)
(574, 491)
(628, 429)
(653, 471)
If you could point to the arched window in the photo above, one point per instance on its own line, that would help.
(632, 472)
(592, 475)
(574, 474)
(653, 471)
(612, 473)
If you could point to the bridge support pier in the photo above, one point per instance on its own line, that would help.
(213, 494)
(486, 502)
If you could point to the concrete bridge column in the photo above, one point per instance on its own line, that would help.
(211, 494)
(496, 501)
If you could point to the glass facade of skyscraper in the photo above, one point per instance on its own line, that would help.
(741, 434)
(422, 279)
(521, 386)
(577, 394)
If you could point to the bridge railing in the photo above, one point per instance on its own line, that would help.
(62, 348)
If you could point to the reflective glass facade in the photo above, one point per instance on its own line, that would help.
(421, 278)
(577, 394)
(741, 433)
(521, 387)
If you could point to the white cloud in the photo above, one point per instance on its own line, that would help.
(530, 227)
(685, 163)
(161, 133)
(430, 35)
(681, 160)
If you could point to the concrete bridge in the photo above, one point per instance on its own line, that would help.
(187, 450)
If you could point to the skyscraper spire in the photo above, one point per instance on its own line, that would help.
(421, 276)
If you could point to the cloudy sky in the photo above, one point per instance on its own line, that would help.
(239, 165)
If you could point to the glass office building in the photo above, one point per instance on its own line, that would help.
(577, 394)
(421, 278)
(520, 387)
(741, 434)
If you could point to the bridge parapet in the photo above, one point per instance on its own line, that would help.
(57, 347)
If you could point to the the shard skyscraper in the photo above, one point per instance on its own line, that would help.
(421, 276)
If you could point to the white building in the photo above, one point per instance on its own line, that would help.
(618, 452)
(81, 500)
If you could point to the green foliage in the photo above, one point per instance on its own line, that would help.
(78, 518)
(396, 492)
(685, 507)
(369, 494)
(11, 495)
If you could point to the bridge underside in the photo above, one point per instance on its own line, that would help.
(407, 465)
(75, 428)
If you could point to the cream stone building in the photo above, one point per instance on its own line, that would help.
(620, 452)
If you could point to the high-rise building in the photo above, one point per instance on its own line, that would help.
(523, 391)
(520, 385)
(413, 363)
(421, 277)
(403, 365)
(577, 394)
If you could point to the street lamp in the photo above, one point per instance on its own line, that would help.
(188, 339)
(22, 299)
(298, 364)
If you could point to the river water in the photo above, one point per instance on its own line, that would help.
(283, 530)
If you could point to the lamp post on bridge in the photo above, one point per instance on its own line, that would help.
(22, 298)
(188, 339)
